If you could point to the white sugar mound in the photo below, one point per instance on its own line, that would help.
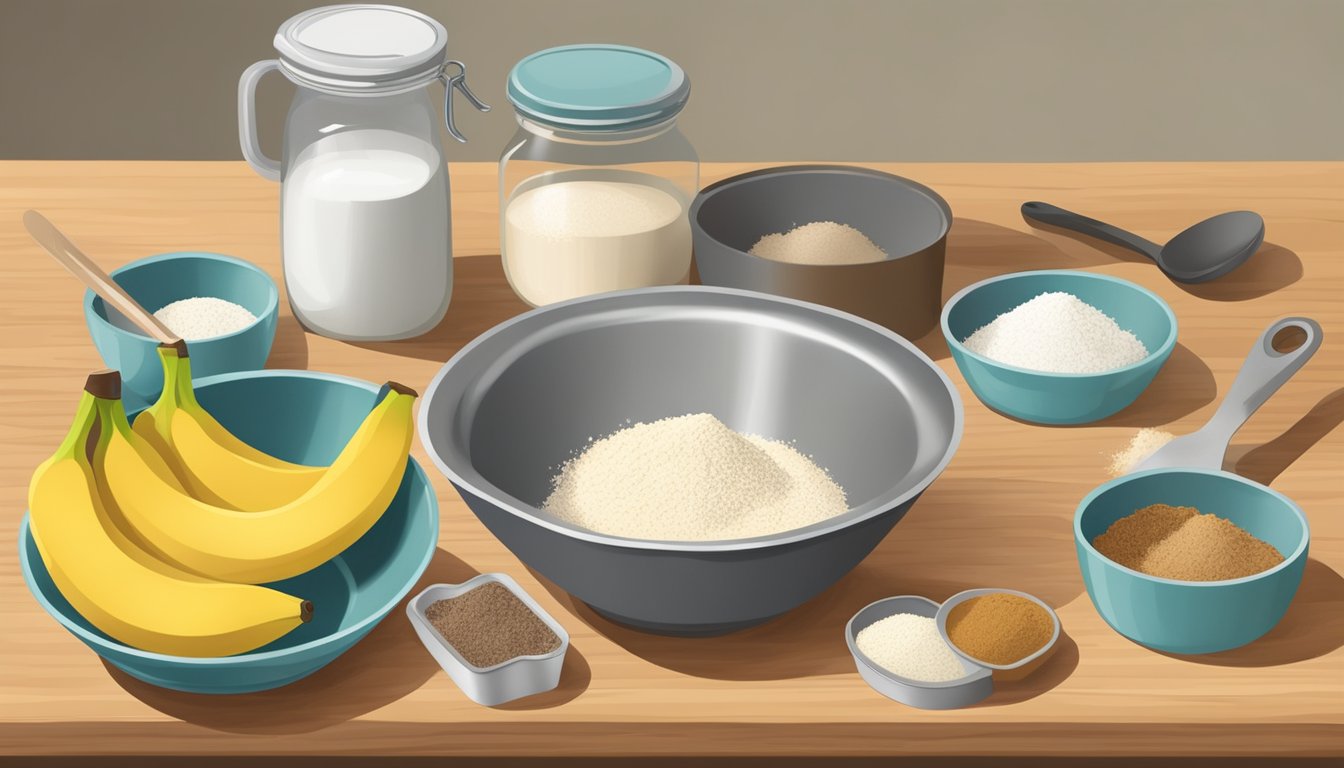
(910, 646)
(691, 478)
(1057, 333)
(821, 242)
(203, 317)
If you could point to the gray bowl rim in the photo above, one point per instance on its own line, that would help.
(508, 582)
(1160, 353)
(853, 516)
(1288, 503)
(98, 642)
(946, 609)
(851, 640)
(92, 299)
(742, 179)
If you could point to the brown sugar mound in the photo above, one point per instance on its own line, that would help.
(490, 625)
(1182, 543)
(999, 628)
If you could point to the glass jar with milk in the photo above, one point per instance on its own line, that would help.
(595, 185)
(366, 232)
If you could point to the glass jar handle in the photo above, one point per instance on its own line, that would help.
(457, 82)
(247, 120)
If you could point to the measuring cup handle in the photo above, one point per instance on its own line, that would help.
(1053, 215)
(1265, 370)
(247, 120)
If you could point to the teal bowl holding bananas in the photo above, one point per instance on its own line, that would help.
(1192, 617)
(1058, 398)
(303, 417)
(157, 281)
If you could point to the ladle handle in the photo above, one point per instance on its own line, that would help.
(81, 266)
(1053, 215)
(1265, 370)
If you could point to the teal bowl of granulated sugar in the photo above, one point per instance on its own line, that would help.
(1058, 346)
(222, 339)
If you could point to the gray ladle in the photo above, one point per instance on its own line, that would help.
(1206, 251)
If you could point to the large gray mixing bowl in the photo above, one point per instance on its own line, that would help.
(908, 221)
(519, 400)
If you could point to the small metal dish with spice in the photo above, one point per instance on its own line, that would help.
(1007, 631)
(913, 645)
(491, 637)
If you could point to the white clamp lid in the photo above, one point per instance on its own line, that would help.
(362, 48)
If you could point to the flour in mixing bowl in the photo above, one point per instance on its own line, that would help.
(691, 478)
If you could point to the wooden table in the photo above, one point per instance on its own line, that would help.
(1000, 515)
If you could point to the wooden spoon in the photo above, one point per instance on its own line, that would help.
(81, 266)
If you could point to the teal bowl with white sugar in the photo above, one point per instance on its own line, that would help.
(157, 281)
(1045, 397)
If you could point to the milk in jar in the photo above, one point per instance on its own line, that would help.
(366, 237)
(365, 210)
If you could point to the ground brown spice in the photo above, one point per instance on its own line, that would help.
(489, 625)
(1181, 543)
(999, 628)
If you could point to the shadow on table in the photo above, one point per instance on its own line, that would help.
(809, 640)
(575, 676)
(1183, 385)
(385, 666)
(804, 642)
(290, 348)
(978, 249)
(1269, 269)
(1054, 671)
(1312, 627)
(481, 300)
(1266, 462)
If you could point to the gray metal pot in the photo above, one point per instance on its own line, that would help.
(515, 403)
(906, 220)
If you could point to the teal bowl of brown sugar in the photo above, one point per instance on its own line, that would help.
(1190, 561)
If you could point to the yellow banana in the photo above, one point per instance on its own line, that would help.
(123, 590)
(263, 546)
(211, 462)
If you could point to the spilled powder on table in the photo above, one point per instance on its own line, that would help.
(1144, 444)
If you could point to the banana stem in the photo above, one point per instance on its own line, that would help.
(177, 389)
(77, 438)
(186, 393)
(114, 416)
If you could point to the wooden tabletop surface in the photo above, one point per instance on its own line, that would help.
(999, 516)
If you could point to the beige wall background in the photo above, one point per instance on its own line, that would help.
(974, 80)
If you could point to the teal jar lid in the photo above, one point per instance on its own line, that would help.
(598, 87)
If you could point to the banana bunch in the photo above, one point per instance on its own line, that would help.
(159, 537)
(119, 587)
(214, 465)
(258, 546)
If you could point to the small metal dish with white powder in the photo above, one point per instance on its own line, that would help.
(900, 653)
